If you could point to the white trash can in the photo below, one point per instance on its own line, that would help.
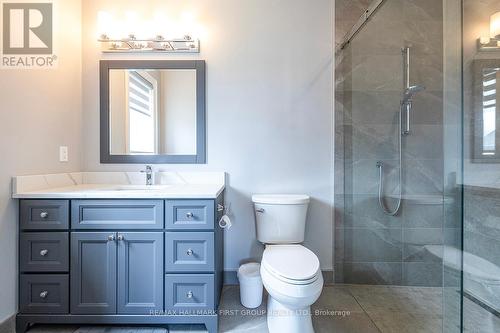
(250, 285)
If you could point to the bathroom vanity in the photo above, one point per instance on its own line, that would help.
(119, 254)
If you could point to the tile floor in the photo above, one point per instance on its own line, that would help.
(340, 309)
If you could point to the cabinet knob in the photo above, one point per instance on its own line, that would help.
(189, 215)
(44, 252)
(189, 252)
(120, 237)
(44, 215)
(44, 294)
(111, 237)
(189, 294)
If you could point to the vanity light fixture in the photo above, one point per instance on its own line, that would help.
(111, 43)
(492, 42)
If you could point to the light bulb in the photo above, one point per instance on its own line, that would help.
(495, 25)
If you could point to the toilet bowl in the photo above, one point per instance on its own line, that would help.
(290, 272)
(293, 279)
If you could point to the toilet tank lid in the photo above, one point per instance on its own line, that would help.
(280, 199)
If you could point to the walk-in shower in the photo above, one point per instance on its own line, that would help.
(410, 195)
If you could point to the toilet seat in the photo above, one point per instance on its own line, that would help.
(291, 263)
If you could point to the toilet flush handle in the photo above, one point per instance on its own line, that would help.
(260, 210)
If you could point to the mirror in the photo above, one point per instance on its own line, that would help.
(486, 116)
(152, 112)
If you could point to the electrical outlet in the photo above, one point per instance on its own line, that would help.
(63, 154)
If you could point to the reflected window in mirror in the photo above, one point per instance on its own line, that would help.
(153, 115)
(486, 117)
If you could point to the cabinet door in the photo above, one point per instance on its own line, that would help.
(93, 273)
(140, 272)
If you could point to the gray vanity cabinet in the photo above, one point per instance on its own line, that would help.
(133, 261)
(93, 273)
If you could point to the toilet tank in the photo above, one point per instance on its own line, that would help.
(280, 219)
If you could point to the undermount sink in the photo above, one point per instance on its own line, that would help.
(136, 188)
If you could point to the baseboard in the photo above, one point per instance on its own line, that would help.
(8, 325)
(231, 278)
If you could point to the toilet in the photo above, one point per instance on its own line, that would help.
(290, 272)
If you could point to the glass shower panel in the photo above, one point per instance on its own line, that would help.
(481, 194)
(405, 252)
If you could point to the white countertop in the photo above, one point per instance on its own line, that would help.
(118, 185)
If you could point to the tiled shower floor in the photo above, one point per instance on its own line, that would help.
(341, 308)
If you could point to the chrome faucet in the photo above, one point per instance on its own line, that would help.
(149, 174)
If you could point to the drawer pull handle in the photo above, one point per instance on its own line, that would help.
(44, 252)
(120, 237)
(189, 215)
(44, 294)
(111, 237)
(189, 294)
(44, 215)
(189, 252)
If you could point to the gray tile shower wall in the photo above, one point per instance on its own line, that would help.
(370, 246)
(482, 238)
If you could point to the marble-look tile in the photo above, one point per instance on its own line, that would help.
(373, 245)
(477, 319)
(417, 215)
(366, 213)
(397, 322)
(8, 325)
(415, 240)
(376, 72)
(372, 273)
(393, 299)
(425, 274)
(365, 176)
(423, 10)
(428, 108)
(424, 142)
(336, 298)
(482, 212)
(423, 176)
(351, 323)
(234, 317)
(482, 246)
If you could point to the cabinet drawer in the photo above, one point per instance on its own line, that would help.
(44, 252)
(44, 214)
(189, 251)
(189, 292)
(117, 214)
(189, 214)
(43, 293)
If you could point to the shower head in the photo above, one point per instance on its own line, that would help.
(411, 91)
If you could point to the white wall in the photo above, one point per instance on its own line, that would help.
(269, 104)
(39, 111)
